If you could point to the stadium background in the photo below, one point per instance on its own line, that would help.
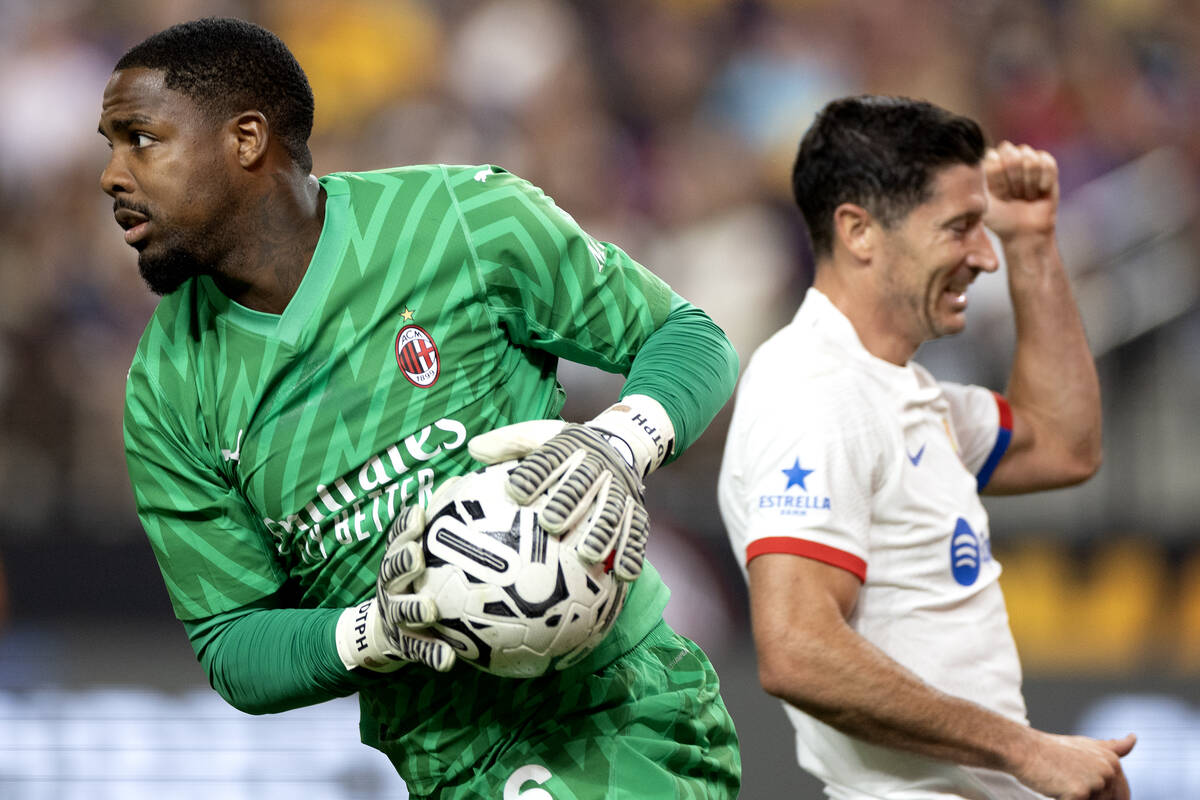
(667, 127)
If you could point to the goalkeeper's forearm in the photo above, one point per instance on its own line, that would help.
(689, 366)
(264, 660)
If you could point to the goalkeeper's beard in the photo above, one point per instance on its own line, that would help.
(170, 267)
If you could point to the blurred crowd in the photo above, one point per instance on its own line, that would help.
(666, 126)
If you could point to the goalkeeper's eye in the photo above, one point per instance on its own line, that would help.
(140, 140)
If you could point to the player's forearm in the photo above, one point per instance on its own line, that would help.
(1053, 384)
(846, 682)
(689, 366)
(266, 660)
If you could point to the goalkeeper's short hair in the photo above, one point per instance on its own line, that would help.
(230, 65)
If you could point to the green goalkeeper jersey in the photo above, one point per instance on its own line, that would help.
(269, 453)
(270, 450)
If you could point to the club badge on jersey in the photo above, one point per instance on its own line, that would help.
(417, 355)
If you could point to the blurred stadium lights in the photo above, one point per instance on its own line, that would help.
(1165, 763)
(140, 744)
(1128, 608)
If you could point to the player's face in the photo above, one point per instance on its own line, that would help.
(934, 254)
(167, 176)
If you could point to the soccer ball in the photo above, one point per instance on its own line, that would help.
(513, 600)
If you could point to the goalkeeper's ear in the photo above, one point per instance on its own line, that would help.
(512, 442)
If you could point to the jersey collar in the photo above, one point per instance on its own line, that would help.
(289, 326)
(819, 314)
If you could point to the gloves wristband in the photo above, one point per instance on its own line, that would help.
(361, 641)
(640, 430)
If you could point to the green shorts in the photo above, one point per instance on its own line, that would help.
(649, 725)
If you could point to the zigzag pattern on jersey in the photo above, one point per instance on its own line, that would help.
(651, 725)
(483, 269)
(521, 240)
(382, 245)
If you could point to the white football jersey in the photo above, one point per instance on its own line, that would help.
(837, 455)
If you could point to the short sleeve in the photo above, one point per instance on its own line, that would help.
(982, 423)
(803, 465)
(213, 556)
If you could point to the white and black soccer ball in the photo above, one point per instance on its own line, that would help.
(514, 601)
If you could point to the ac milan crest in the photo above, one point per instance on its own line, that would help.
(417, 356)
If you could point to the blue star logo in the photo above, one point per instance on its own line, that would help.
(796, 475)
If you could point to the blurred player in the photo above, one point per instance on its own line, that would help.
(850, 479)
(323, 354)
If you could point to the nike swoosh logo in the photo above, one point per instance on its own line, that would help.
(916, 460)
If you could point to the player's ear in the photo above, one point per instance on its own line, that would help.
(854, 229)
(251, 135)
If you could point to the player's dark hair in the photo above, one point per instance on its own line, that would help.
(230, 65)
(877, 152)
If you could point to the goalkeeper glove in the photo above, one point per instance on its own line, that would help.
(383, 633)
(591, 474)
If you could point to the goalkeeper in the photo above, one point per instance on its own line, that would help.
(327, 352)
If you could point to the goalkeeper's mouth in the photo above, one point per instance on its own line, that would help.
(135, 224)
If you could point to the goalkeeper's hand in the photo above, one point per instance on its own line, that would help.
(384, 633)
(591, 474)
